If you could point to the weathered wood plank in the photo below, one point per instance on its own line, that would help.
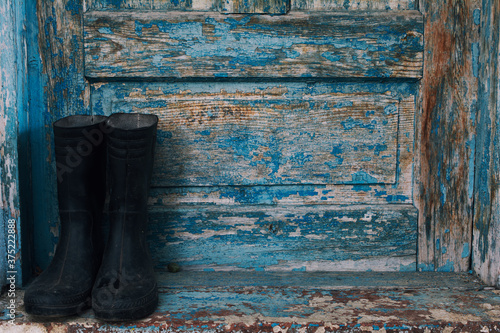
(151, 4)
(12, 105)
(240, 303)
(445, 139)
(311, 238)
(214, 5)
(183, 45)
(228, 139)
(486, 254)
(59, 88)
(321, 280)
(255, 6)
(324, 5)
(105, 95)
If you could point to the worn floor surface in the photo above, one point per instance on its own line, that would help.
(297, 302)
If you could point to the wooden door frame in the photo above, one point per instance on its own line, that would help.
(13, 141)
(454, 133)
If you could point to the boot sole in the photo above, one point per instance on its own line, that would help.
(56, 311)
(128, 314)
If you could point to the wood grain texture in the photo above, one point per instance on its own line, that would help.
(255, 6)
(60, 84)
(12, 103)
(151, 4)
(310, 238)
(215, 5)
(346, 5)
(446, 141)
(228, 139)
(106, 95)
(486, 254)
(299, 45)
(305, 302)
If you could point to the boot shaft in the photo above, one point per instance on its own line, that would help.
(80, 147)
(130, 144)
(125, 286)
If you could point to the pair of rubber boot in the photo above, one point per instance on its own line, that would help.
(96, 155)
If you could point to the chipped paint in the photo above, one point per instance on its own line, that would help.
(447, 104)
(272, 141)
(213, 5)
(57, 88)
(302, 302)
(11, 104)
(486, 240)
(108, 96)
(381, 45)
(274, 7)
(324, 238)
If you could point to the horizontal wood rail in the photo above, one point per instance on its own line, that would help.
(298, 45)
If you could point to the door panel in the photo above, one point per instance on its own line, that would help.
(278, 238)
(297, 45)
(285, 142)
(260, 140)
(215, 5)
(108, 97)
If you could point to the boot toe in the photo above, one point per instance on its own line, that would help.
(133, 301)
(40, 300)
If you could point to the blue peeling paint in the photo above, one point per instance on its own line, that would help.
(476, 14)
(391, 109)
(362, 177)
(448, 267)
(361, 188)
(397, 198)
(426, 267)
(475, 59)
(465, 251)
(331, 56)
(106, 30)
(472, 147)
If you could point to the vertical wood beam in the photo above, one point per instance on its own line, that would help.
(486, 254)
(64, 91)
(12, 105)
(446, 135)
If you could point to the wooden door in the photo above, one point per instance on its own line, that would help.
(264, 91)
(285, 141)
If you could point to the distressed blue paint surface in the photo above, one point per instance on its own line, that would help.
(257, 7)
(449, 101)
(309, 238)
(486, 242)
(66, 80)
(303, 302)
(275, 7)
(143, 4)
(57, 89)
(254, 46)
(263, 141)
(12, 99)
(105, 96)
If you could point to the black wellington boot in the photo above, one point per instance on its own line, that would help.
(125, 288)
(65, 287)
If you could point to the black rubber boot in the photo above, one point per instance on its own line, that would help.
(65, 287)
(125, 288)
